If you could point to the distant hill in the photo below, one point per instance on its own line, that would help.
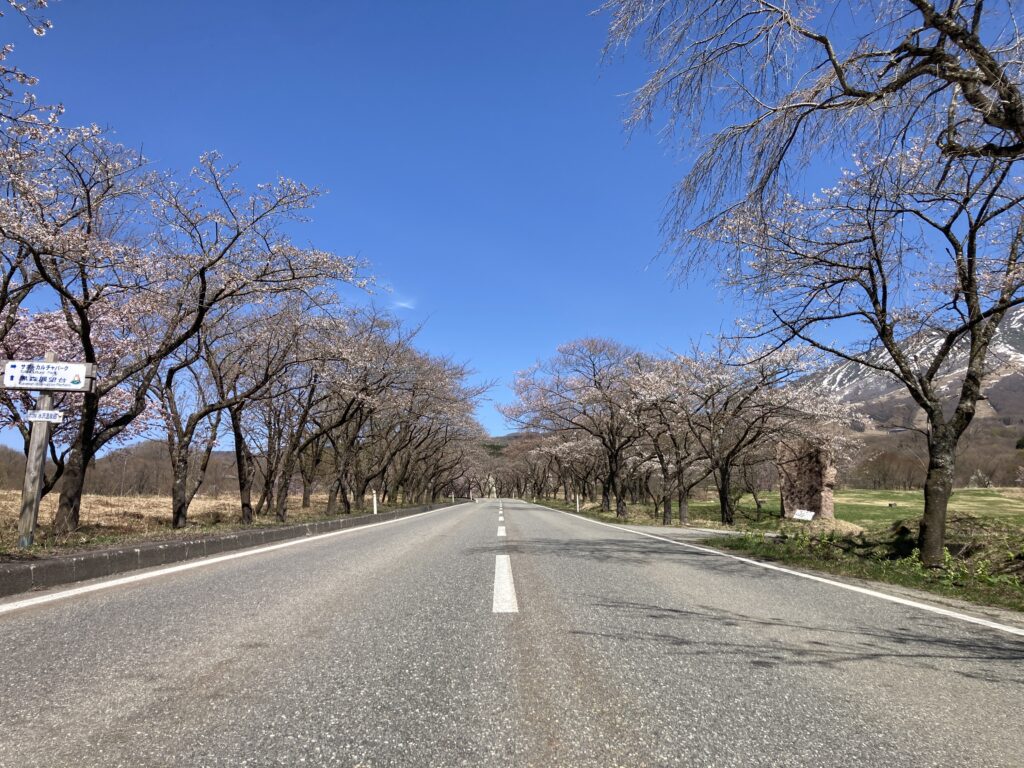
(888, 404)
(894, 452)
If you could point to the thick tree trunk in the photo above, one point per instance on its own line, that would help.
(620, 501)
(666, 492)
(245, 495)
(307, 493)
(938, 487)
(724, 495)
(684, 507)
(359, 495)
(606, 497)
(332, 498)
(179, 492)
(242, 466)
(281, 502)
(69, 505)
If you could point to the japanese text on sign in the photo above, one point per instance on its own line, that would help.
(57, 376)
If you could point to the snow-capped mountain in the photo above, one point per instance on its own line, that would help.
(887, 402)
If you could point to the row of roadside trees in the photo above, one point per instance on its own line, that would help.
(852, 172)
(209, 325)
(613, 422)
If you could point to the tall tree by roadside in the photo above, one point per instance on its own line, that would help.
(917, 244)
(232, 361)
(585, 388)
(743, 400)
(926, 257)
(666, 391)
(34, 332)
(108, 236)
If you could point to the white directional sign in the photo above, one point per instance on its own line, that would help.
(54, 417)
(55, 376)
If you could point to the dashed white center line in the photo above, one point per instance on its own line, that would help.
(504, 588)
(501, 530)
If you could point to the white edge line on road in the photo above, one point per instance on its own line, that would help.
(501, 530)
(199, 563)
(811, 577)
(504, 587)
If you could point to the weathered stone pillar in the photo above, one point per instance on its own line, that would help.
(807, 479)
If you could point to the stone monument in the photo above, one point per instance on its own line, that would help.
(807, 478)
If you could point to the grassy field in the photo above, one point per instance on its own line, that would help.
(111, 520)
(876, 536)
(867, 509)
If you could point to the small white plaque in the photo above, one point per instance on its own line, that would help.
(803, 514)
(54, 417)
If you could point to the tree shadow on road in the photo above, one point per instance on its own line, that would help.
(921, 641)
(641, 552)
(917, 638)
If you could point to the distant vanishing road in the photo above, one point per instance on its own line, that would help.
(456, 638)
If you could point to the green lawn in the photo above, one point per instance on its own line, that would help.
(866, 508)
(871, 509)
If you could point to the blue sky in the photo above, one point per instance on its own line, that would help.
(473, 152)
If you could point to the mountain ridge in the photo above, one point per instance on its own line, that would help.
(887, 402)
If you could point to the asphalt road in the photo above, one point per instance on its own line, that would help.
(417, 643)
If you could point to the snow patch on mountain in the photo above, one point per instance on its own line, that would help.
(881, 395)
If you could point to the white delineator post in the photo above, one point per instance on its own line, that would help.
(375, 502)
(35, 464)
(577, 503)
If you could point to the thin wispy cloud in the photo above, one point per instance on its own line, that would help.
(404, 304)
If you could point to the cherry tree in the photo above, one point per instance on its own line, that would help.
(665, 390)
(365, 397)
(744, 400)
(920, 106)
(763, 90)
(109, 235)
(112, 336)
(235, 358)
(584, 388)
(435, 407)
(581, 457)
(529, 466)
(301, 410)
(921, 261)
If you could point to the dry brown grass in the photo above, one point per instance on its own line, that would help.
(110, 520)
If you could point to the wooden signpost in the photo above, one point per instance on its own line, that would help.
(46, 377)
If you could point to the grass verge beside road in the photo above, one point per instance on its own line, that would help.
(108, 521)
(875, 537)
